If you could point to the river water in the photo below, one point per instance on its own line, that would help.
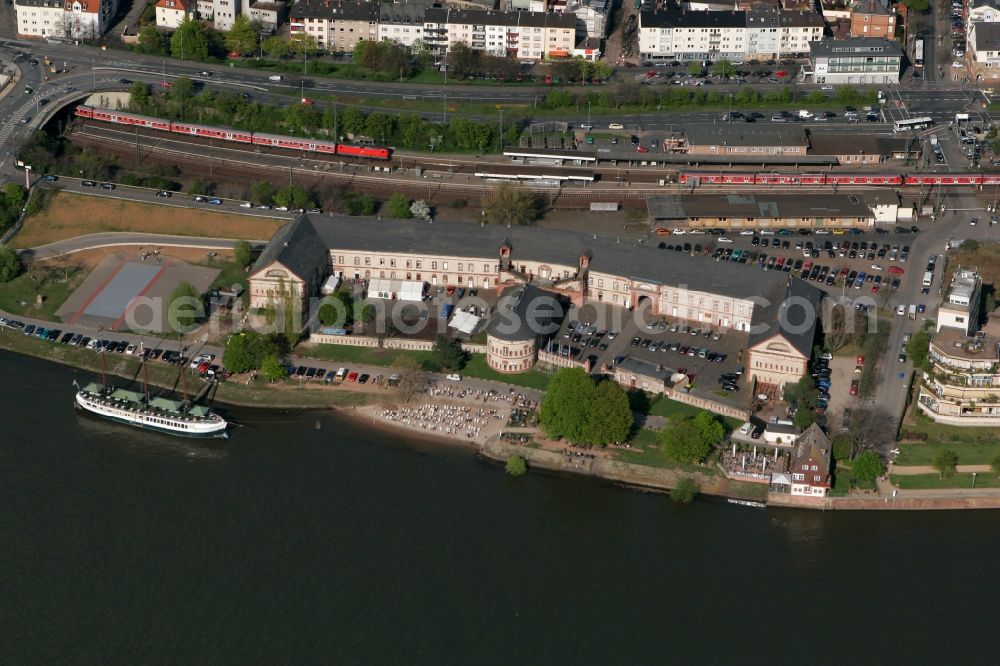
(309, 539)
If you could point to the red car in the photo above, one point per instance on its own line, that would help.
(450, 290)
(203, 368)
(353, 377)
(641, 149)
(307, 101)
(861, 360)
(854, 387)
(165, 84)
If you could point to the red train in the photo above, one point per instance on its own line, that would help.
(833, 179)
(237, 136)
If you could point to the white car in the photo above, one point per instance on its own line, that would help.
(876, 267)
(957, 65)
(454, 377)
(901, 310)
(725, 239)
(677, 231)
(246, 204)
(283, 209)
(746, 232)
(616, 126)
(274, 77)
(826, 87)
(130, 350)
(586, 126)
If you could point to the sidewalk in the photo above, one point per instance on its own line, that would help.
(910, 470)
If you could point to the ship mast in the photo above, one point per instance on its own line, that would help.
(142, 355)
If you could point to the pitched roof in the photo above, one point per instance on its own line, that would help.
(180, 5)
(790, 311)
(812, 444)
(445, 15)
(630, 258)
(987, 35)
(854, 47)
(673, 17)
(297, 246)
(345, 10)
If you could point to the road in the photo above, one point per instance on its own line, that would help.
(111, 239)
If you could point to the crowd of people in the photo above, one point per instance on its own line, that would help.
(453, 420)
(515, 400)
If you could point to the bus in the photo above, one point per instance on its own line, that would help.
(912, 124)
(918, 53)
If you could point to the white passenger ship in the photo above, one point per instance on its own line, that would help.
(160, 414)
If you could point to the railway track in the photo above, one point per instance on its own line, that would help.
(436, 187)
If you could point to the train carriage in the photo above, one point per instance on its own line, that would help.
(779, 179)
(122, 117)
(209, 132)
(370, 152)
(944, 179)
(716, 178)
(991, 179)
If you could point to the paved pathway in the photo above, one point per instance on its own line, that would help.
(92, 241)
(909, 470)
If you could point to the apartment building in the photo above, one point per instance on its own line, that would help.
(80, 19)
(854, 61)
(170, 13)
(960, 309)
(873, 18)
(984, 40)
(270, 15)
(335, 25)
(592, 17)
(762, 34)
(524, 35)
(963, 387)
(401, 22)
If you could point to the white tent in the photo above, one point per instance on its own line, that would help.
(412, 291)
(330, 286)
(465, 322)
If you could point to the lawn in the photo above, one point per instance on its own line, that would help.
(671, 409)
(646, 450)
(933, 482)
(53, 283)
(476, 366)
(230, 273)
(974, 446)
(69, 215)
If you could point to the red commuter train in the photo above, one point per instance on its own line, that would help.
(835, 179)
(237, 136)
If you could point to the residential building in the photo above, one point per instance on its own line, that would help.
(401, 22)
(811, 464)
(797, 31)
(854, 61)
(41, 18)
(873, 18)
(336, 25)
(758, 211)
(224, 13)
(524, 35)
(780, 433)
(81, 19)
(170, 13)
(984, 38)
(592, 17)
(983, 11)
(270, 15)
(637, 373)
(963, 387)
(758, 34)
(525, 314)
(960, 309)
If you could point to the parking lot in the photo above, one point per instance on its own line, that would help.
(606, 334)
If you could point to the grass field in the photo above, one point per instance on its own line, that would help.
(476, 367)
(933, 482)
(68, 215)
(646, 450)
(974, 446)
(53, 283)
(668, 408)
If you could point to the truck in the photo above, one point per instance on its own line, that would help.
(804, 114)
(913, 312)
(446, 311)
(928, 278)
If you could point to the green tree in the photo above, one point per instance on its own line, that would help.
(10, 264)
(362, 204)
(201, 188)
(723, 68)
(303, 43)
(13, 196)
(609, 418)
(448, 353)
(399, 206)
(243, 253)
(969, 245)
(563, 412)
(919, 348)
(868, 466)
(335, 310)
(946, 463)
(293, 196)
(511, 204)
(685, 491)
(237, 356)
(189, 41)
(515, 465)
(709, 428)
(694, 68)
(684, 443)
(242, 37)
(185, 307)
(273, 369)
(262, 192)
(917, 6)
(803, 418)
(151, 40)
(139, 95)
(462, 60)
(276, 47)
